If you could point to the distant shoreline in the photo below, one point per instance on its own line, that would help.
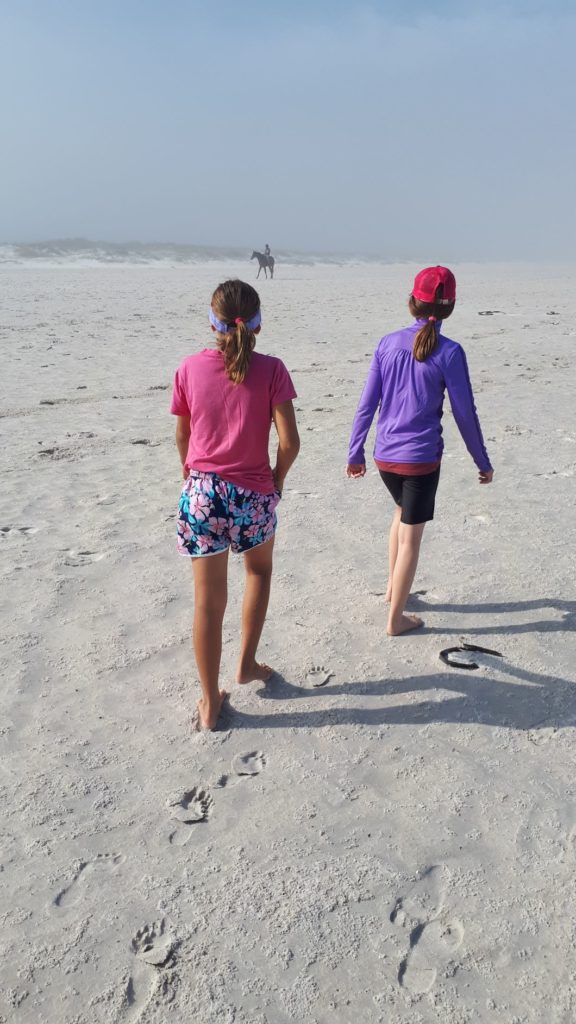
(84, 251)
(81, 252)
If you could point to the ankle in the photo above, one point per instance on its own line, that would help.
(212, 701)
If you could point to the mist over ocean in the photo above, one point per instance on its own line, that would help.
(84, 252)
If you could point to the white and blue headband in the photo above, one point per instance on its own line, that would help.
(224, 328)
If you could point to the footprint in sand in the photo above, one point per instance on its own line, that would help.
(571, 845)
(222, 781)
(153, 944)
(545, 835)
(79, 558)
(318, 675)
(56, 454)
(480, 517)
(84, 872)
(432, 947)
(423, 901)
(141, 996)
(24, 531)
(191, 807)
(433, 938)
(251, 763)
(180, 836)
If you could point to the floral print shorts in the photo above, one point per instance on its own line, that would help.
(214, 515)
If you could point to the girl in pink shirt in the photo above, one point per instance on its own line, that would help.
(226, 399)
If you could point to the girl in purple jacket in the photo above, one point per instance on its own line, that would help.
(409, 373)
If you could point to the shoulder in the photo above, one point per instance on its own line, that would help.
(189, 361)
(268, 365)
(271, 374)
(448, 349)
(197, 360)
(396, 339)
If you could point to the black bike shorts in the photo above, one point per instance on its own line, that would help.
(414, 494)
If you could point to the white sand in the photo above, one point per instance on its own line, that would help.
(406, 852)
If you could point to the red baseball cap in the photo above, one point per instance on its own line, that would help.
(428, 280)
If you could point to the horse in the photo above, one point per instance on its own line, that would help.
(265, 262)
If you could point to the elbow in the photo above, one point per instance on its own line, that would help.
(294, 446)
(289, 449)
(290, 443)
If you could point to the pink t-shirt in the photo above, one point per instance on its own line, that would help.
(230, 423)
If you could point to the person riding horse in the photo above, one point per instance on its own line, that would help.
(265, 261)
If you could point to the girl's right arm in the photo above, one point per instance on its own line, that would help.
(367, 406)
(288, 440)
(182, 441)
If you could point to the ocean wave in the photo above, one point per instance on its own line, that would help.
(83, 252)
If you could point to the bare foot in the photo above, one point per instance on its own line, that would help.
(208, 714)
(257, 672)
(406, 623)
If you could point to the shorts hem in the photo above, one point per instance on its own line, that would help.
(203, 554)
(244, 551)
(428, 519)
(230, 547)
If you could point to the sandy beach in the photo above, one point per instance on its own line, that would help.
(373, 836)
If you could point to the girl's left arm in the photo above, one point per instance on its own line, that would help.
(288, 441)
(461, 397)
(182, 440)
(367, 406)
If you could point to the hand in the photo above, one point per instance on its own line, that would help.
(356, 469)
(278, 482)
(485, 476)
(185, 472)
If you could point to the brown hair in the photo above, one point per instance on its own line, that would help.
(234, 302)
(427, 339)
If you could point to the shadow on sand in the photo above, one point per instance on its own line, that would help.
(524, 701)
(567, 609)
(534, 702)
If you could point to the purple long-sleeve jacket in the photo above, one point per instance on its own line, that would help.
(410, 395)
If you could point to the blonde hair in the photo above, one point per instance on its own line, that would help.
(427, 339)
(235, 302)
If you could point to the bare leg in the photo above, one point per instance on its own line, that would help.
(210, 597)
(258, 566)
(392, 550)
(409, 539)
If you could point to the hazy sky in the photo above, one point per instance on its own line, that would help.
(400, 127)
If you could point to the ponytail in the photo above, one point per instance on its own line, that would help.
(237, 346)
(426, 341)
(235, 315)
